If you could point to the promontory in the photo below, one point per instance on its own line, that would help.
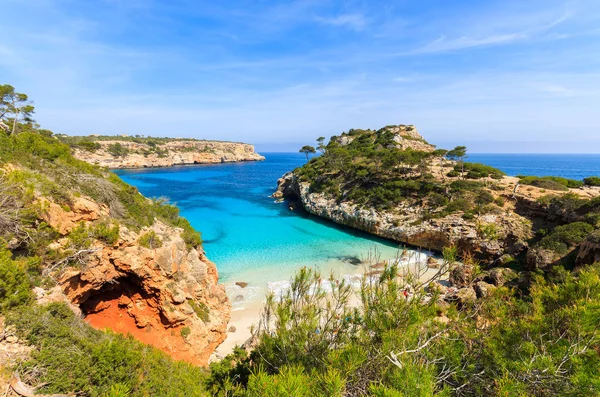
(144, 152)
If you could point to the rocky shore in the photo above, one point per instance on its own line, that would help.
(405, 225)
(132, 154)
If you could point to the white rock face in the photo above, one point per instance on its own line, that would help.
(177, 152)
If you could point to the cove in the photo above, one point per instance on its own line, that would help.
(246, 233)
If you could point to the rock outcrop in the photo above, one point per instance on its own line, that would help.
(406, 225)
(167, 154)
(589, 250)
(168, 297)
(404, 137)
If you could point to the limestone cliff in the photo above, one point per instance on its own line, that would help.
(406, 225)
(133, 154)
(167, 296)
(392, 183)
(121, 260)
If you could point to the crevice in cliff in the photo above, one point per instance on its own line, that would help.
(121, 297)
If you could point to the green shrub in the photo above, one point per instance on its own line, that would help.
(477, 170)
(562, 238)
(200, 308)
(107, 232)
(15, 285)
(117, 150)
(150, 240)
(550, 182)
(77, 358)
(592, 181)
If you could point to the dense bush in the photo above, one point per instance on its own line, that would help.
(592, 181)
(550, 182)
(316, 344)
(563, 238)
(77, 358)
(477, 171)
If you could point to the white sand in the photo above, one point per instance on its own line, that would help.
(247, 303)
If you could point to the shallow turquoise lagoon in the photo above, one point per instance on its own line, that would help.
(246, 233)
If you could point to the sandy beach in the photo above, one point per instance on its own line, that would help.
(247, 302)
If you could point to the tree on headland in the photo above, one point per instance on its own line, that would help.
(459, 153)
(321, 145)
(441, 153)
(307, 150)
(14, 106)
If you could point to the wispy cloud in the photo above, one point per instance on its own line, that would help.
(352, 21)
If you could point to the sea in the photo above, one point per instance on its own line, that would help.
(253, 238)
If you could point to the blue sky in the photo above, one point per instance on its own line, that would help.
(498, 76)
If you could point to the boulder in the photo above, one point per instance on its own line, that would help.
(589, 250)
(540, 258)
(461, 275)
(500, 276)
(483, 289)
(463, 296)
(241, 284)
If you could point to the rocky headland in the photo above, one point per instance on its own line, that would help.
(162, 152)
(393, 184)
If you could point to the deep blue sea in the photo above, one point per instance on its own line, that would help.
(574, 166)
(252, 238)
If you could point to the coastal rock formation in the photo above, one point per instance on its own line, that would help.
(405, 224)
(589, 250)
(404, 137)
(166, 154)
(167, 296)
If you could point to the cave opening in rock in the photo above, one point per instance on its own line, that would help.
(121, 302)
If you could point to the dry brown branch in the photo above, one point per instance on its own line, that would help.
(27, 391)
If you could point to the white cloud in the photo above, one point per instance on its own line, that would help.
(351, 21)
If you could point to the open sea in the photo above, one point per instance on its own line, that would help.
(252, 238)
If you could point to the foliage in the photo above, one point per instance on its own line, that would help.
(117, 150)
(565, 237)
(14, 106)
(307, 150)
(76, 357)
(592, 181)
(478, 171)
(550, 182)
(150, 240)
(15, 283)
(543, 344)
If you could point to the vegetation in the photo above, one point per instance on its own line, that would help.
(550, 182)
(150, 240)
(592, 181)
(313, 343)
(307, 150)
(367, 168)
(396, 338)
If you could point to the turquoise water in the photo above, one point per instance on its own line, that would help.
(245, 232)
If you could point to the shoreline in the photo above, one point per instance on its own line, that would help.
(246, 311)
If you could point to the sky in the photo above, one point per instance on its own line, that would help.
(497, 76)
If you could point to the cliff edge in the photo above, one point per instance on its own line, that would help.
(122, 261)
(130, 152)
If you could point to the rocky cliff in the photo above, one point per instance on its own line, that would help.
(406, 223)
(130, 154)
(392, 183)
(166, 295)
(124, 262)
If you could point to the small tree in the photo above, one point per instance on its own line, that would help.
(321, 145)
(459, 153)
(307, 150)
(14, 104)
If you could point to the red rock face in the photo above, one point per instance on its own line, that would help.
(168, 297)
